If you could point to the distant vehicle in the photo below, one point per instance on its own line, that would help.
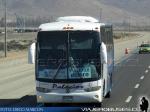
(144, 48)
(74, 61)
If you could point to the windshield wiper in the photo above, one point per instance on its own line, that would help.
(57, 71)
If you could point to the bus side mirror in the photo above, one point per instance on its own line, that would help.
(31, 54)
(103, 52)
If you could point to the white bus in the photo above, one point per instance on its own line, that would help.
(74, 60)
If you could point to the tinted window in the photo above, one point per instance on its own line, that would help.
(145, 45)
(53, 61)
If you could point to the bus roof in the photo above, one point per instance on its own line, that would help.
(68, 25)
(78, 19)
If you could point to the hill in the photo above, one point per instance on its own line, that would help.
(117, 11)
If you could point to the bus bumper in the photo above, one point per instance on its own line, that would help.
(84, 97)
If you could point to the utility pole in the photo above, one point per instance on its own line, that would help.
(5, 41)
(24, 23)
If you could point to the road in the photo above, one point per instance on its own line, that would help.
(131, 82)
(17, 80)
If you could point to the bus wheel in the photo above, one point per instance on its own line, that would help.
(108, 94)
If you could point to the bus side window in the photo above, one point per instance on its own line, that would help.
(103, 36)
(108, 39)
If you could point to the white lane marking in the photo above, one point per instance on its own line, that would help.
(137, 86)
(142, 77)
(146, 71)
(149, 67)
(128, 99)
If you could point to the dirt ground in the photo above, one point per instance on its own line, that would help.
(14, 55)
(16, 42)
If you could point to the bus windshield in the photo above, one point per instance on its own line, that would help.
(68, 55)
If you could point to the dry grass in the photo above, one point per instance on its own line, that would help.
(14, 55)
(120, 35)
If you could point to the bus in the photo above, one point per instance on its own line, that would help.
(74, 60)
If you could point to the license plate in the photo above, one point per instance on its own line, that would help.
(68, 98)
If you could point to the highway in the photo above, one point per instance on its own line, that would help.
(130, 79)
(131, 82)
(17, 82)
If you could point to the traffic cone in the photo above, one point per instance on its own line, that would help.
(126, 51)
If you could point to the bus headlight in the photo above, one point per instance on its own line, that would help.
(44, 90)
(92, 89)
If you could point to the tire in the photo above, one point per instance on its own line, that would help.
(108, 94)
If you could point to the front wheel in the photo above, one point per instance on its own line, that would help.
(140, 52)
(108, 94)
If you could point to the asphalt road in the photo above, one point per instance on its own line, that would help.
(131, 82)
(17, 82)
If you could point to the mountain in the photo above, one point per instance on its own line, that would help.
(117, 11)
(140, 7)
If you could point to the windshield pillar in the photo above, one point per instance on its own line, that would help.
(68, 49)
